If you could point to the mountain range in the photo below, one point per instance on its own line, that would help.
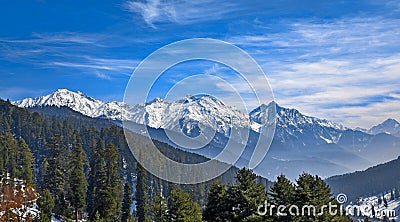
(300, 144)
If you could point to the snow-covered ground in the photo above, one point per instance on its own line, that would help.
(23, 197)
(391, 209)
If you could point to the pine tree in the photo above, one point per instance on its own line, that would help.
(315, 192)
(10, 155)
(96, 181)
(16, 158)
(54, 179)
(25, 161)
(127, 203)
(182, 209)
(159, 209)
(246, 196)
(217, 207)
(109, 190)
(282, 193)
(77, 180)
(142, 206)
(385, 202)
(46, 206)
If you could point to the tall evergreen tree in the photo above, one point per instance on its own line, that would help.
(77, 179)
(246, 196)
(217, 207)
(9, 154)
(46, 206)
(282, 194)
(182, 209)
(54, 178)
(16, 158)
(158, 209)
(315, 192)
(25, 162)
(108, 191)
(142, 201)
(96, 181)
(127, 203)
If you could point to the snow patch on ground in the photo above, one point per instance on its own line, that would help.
(392, 208)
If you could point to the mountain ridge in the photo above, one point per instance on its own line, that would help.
(88, 106)
(300, 142)
(389, 126)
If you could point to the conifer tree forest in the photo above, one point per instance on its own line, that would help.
(77, 169)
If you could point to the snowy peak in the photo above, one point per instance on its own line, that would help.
(79, 102)
(260, 114)
(193, 113)
(189, 112)
(389, 126)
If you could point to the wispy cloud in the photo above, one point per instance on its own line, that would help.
(67, 50)
(338, 69)
(329, 38)
(155, 12)
(60, 38)
(101, 67)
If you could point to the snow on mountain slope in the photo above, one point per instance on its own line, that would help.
(193, 113)
(291, 125)
(307, 143)
(389, 126)
(79, 102)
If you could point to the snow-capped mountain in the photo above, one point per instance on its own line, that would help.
(389, 126)
(79, 102)
(300, 142)
(190, 112)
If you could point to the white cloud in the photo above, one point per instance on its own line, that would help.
(341, 37)
(67, 50)
(60, 38)
(155, 12)
(352, 87)
(346, 70)
(101, 67)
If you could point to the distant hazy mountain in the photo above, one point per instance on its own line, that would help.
(301, 143)
(389, 126)
(373, 181)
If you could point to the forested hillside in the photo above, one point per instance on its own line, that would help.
(375, 180)
(79, 167)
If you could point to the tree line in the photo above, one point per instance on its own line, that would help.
(85, 171)
(245, 200)
(82, 167)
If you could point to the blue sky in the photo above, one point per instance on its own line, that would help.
(338, 60)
